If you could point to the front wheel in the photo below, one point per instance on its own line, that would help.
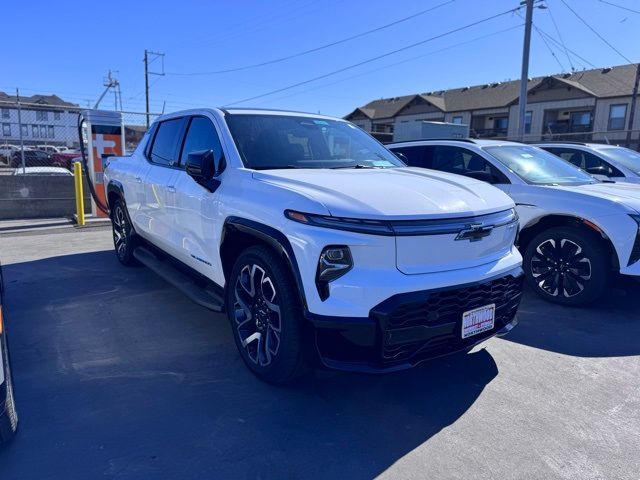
(123, 240)
(568, 266)
(265, 315)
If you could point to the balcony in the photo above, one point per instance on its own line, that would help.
(489, 133)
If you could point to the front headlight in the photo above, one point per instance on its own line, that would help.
(635, 253)
(334, 262)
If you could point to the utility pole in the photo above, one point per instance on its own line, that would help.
(156, 55)
(146, 83)
(632, 111)
(524, 77)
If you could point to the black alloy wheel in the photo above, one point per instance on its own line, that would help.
(567, 265)
(123, 240)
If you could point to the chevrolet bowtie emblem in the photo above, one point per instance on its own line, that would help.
(475, 232)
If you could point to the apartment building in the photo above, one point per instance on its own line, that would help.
(42, 118)
(590, 105)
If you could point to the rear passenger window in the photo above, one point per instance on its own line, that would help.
(586, 161)
(201, 135)
(165, 145)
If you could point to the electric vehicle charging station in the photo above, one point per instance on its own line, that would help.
(104, 138)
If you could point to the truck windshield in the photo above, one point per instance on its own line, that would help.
(623, 156)
(538, 167)
(281, 141)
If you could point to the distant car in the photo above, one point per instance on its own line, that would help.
(618, 163)
(32, 158)
(6, 151)
(575, 231)
(64, 159)
(49, 148)
(8, 415)
(43, 171)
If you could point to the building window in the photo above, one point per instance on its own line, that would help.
(6, 129)
(617, 117)
(501, 123)
(56, 115)
(42, 115)
(5, 113)
(50, 131)
(25, 130)
(34, 131)
(43, 131)
(527, 121)
(457, 120)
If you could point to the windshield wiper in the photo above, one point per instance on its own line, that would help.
(357, 165)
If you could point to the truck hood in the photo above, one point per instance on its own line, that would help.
(627, 194)
(392, 193)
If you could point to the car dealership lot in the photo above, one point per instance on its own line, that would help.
(118, 375)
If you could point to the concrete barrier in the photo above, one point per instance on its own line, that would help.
(39, 196)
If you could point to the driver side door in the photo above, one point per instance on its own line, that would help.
(196, 213)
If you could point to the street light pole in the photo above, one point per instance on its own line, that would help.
(146, 83)
(524, 77)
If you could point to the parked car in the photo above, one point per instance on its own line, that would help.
(65, 159)
(617, 163)
(316, 240)
(575, 231)
(8, 415)
(32, 158)
(57, 171)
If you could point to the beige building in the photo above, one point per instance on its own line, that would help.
(580, 106)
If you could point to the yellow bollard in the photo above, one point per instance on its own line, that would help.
(77, 176)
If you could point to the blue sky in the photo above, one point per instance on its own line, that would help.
(55, 51)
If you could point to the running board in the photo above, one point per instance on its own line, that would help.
(181, 281)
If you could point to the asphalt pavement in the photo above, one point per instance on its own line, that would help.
(119, 376)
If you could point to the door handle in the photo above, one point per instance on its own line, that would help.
(139, 179)
(171, 189)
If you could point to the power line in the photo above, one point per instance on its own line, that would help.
(412, 59)
(564, 46)
(620, 6)
(544, 40)
(378, 57)
(313, 50)
(595, 31)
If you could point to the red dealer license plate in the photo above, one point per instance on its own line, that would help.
(478, 320)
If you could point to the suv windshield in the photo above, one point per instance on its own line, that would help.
(282, 141)
(537, 166)
(623, 156)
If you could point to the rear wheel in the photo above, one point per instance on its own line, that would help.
(567, 265)
(123, 240)
(265, 316)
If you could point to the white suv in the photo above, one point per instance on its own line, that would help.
(316, 240)
(575, 231)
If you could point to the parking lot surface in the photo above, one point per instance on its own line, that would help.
(118, 375)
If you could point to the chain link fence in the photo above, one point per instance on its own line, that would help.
(39, 144)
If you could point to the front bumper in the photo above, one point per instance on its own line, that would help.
(409, 328)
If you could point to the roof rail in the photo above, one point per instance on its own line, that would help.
(466, 140)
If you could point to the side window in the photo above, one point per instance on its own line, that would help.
(586, 161)
(201, 135)
(417, 156)
(466, 162)
(164, 150)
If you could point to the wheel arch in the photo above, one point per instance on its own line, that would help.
(115, 191)
(240, 233)
(540, 224)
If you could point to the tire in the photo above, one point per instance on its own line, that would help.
(568, 266)
(265, 315)
(8, 421)
(124, 242)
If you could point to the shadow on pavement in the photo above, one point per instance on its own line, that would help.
(117, 375)
(608, 328)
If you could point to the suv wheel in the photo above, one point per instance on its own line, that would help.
(123, 241)
(265, 312)
(567, 265)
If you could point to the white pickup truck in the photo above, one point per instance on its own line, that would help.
(320, 244)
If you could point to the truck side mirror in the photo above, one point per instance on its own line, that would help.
(203, 167)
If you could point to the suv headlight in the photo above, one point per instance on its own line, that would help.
(635, 253)
(334, 262)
